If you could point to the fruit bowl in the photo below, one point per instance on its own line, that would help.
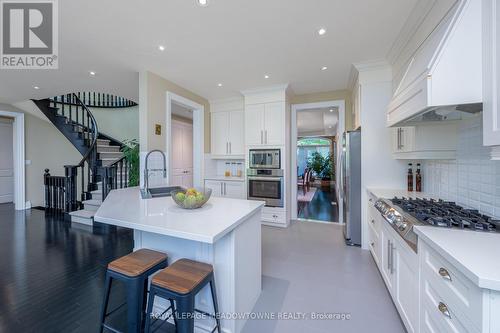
(191, 198)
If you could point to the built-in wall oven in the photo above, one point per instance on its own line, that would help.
(266, 185)
(264, 159)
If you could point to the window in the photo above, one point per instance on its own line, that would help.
(307, 146)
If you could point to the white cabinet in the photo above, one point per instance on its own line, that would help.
(398, 265)
(227, 130)
(491, 73)
(182, 154)
(274, 216)
(227, 188)
(265, 124)
(433, 140)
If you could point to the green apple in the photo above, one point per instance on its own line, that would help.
(180, 197)
(190, 201)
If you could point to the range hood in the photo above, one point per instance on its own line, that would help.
(443, 79)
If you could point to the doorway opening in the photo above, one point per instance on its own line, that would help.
(6, 160)
(185, 141)
(182, 146)
(315, 132)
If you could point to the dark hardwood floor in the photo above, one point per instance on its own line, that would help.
(320, 208)
(51, 274)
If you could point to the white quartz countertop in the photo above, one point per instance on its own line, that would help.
(475, 254)
(207, 224)
(381, 193)
(223, 178)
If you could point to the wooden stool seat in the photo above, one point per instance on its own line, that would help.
(183, 276)
(136, 263)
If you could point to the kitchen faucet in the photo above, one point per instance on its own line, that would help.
(146, 170)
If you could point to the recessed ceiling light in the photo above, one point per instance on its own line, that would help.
(219, 84)
(331, 110)
(92, 73)
(161, 47)
(329, 126)
(202, 3)
(266, 76)
(324, 68)
(321, 31)
(36, 87)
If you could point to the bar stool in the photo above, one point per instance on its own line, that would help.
(180, 282)
(133, 270)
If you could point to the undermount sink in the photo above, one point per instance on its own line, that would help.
(158, 192)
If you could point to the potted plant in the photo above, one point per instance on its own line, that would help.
(130, 150)
(322, 167)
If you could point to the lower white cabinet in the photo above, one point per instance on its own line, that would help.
(226, 188)
(398, 265)
(274, 216)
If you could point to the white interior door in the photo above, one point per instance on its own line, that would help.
(182, 154)
(6, 161)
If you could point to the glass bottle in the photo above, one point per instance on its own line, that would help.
(418, 179)
(410, 177)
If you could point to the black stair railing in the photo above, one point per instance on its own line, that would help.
(115, 176)
(94, 100)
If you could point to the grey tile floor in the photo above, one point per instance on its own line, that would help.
(307, 268)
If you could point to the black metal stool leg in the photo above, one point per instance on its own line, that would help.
(174, 315)
(107, 290)
(185, 310)
(135, 291)
(149, 311)
(216, 305)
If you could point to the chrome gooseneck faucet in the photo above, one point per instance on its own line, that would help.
(146, 170)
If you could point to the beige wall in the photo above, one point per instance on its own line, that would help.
(119, 123)
(329, 96)
(152, 109)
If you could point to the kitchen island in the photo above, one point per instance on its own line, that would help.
(225, 233)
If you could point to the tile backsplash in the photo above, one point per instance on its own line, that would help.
(472, 180)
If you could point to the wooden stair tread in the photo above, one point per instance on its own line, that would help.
(137, 262)
(182, 276)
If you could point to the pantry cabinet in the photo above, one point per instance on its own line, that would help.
(265, 124)
(491, 74)
(182, 154)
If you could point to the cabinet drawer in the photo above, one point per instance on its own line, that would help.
(274, 216)
(374, 244)
(438, 316)
(459, 292)
(374, 218)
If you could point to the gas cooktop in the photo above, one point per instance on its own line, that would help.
(446, 214)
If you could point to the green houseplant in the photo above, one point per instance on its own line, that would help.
(322, 166)
(130, 150)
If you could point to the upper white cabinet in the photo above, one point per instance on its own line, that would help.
(435, 140)
(265, 124)
(265, 116)
(227, 128)
(446, 68)
(491, 74)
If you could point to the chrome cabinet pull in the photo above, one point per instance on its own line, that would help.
(444, 309)
(392, 258)
(261, 136)
(266, 136)
(388, 254)
(370, 199)
(373, 244)
(230, 149)
(373, 221)
(444, 273)
(225, 189)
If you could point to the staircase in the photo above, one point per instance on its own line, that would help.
(102, 168)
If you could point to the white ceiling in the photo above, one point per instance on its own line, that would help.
(234, 42)
(312, 122)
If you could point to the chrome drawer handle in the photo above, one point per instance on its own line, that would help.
(444, 309)
(373, 221)
(373, 244)
(444, 273)
(370, 200)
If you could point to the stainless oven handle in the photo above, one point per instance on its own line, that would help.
(266, 178)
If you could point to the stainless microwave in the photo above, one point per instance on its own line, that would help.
(265, 159)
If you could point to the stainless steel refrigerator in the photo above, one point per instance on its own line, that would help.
(351, 173)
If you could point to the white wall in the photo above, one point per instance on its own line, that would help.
(472, 180)
(120, 123)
